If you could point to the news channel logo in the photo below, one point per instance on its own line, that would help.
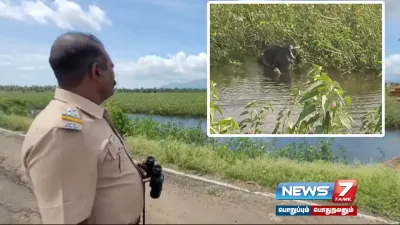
(340, 191)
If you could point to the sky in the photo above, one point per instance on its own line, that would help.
(152, 42)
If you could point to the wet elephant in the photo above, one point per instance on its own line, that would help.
(277, 56)
(277, 60)
(276, 75)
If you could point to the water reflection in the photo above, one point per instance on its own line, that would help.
(191, 122)
(240, 84)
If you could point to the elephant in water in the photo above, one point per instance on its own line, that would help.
(277, 59)
(277, 56)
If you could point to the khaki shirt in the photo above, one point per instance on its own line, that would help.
(80, 169)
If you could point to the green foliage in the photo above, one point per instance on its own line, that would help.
(324, 110)
(15, 107)
(155, 130)
(379, 193)
(323, 107)
(14, 122)
(346, 36)
(119, 119)
(51, 88)
(184, 104)
(160, 103)
(372, 122)
(380, 64)
(256, 115)
(234, 148)
(392, 109)
(242, 159)
(226, 125)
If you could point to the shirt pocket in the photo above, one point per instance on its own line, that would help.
(110, 157)
(113, 151)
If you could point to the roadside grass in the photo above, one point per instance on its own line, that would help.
(14, 122)
(378, 191)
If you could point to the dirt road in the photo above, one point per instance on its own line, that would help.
(183, 200)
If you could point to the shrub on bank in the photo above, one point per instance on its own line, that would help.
(379, 187)
(392, 111)
(347, 36)
(14, 122)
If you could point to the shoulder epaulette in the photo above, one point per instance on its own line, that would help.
(72, 119)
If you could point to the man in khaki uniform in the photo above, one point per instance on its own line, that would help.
(76, 161)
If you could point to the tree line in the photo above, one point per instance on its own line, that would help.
(46, 88)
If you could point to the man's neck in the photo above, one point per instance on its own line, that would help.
(84, 92)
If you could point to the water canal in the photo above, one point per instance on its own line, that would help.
(365, 150)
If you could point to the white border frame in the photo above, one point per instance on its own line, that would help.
(296, 2)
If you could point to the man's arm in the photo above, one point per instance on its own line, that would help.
(63, 171)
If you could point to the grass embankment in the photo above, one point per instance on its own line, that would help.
(161, 103)
(346, 36)
(263, 163)
(392, 111)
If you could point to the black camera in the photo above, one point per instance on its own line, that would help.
(154, 172)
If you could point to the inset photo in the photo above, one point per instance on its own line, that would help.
(296, 68)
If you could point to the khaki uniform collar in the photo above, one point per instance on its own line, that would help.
(81, 102)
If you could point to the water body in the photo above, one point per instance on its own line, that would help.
(185, 121)
(365, 150)
(239, 85)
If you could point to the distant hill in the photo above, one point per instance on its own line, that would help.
(195, 84)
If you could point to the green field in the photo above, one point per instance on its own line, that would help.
(345, 36)
(160, 103)
(193, 103)
(190, 150)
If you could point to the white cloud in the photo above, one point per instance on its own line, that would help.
(26, 68)
(24, 61)
(147, 71)
(178, 67)
(64, 14)
(393, 67)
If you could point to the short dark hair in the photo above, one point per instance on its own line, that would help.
(72, 56)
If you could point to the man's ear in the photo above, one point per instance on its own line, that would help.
(95, 70)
